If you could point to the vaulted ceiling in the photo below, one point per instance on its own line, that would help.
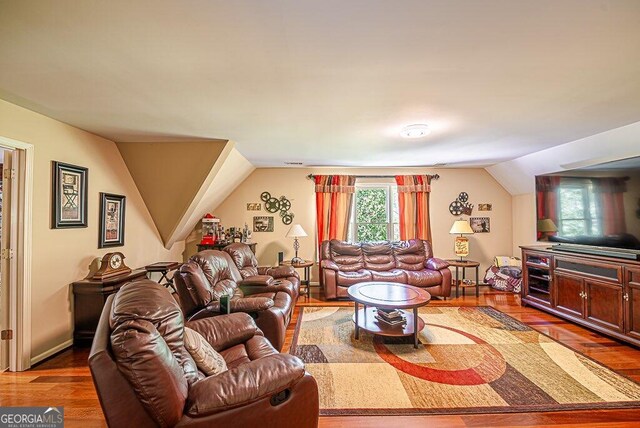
(330, 82)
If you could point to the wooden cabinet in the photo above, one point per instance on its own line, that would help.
(602, 293)
(631, 299)
(603, 304)
(89, 297)
(569, 294)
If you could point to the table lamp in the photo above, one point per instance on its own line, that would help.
(296, 231)
(461, 244)
(546, 227)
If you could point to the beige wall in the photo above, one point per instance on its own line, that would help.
(61, 256)
(292, 183)
(169, 175)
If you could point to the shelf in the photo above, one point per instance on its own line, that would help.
(539, 290)
(537, 265)
(541, 278)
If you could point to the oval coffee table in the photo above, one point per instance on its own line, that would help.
(388, 295)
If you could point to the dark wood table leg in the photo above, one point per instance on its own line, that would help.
(357, 335)
(457, 284)
(477, 283)
(307, 280)
(415, 328)
(464, 276)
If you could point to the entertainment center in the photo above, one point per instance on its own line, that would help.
(595, 291)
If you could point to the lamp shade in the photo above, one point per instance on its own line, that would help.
(547, 225)
(296, 231)
(462, 227)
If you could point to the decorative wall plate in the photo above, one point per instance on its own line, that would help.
(265, 196)
(272, 205)
(455, 208)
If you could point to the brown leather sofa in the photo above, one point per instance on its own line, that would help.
(210, 274)
(251, 273)
(145, 377)
(343, 264)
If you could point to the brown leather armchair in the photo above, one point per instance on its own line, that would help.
(145, 377)
(210, 274)
(256, 276)
(343, 264)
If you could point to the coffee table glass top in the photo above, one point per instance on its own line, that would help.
(388, 294)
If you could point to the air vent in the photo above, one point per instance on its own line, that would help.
(293, 163)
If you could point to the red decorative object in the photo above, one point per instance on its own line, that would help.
(209, 226)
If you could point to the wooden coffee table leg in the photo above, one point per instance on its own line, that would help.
(477, 283)
(357, 329)
(457, 284)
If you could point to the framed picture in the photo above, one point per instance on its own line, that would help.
(484, 207)
(263, 223)
(111, 220)
(480, 224)
(254, 206)
(69, 185)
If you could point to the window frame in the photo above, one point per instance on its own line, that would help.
(390, 223)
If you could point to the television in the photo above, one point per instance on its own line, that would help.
(593, 210)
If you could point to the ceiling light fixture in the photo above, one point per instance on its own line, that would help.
(415, 131)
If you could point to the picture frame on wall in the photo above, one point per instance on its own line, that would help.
(480, 224)
(112, 220)
(69, 189)
(263, 224)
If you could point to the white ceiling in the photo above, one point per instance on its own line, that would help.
(330, 82)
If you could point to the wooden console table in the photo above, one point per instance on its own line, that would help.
(89, 297)
(598, 292)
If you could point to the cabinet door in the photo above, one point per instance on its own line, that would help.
(604, 304)
(569, 292)
(632, 303)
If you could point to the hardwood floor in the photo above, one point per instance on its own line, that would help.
(64, 380)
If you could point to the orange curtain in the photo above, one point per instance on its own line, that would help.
(334, 196)
(413, 204)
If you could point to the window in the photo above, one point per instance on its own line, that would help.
(579, 213)
(375, 213)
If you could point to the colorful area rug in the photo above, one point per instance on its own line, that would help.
(472, 360)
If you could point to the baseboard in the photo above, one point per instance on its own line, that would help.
(46, 354)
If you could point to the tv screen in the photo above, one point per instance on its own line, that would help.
(597, 206)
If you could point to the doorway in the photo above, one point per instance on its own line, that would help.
(16, 190)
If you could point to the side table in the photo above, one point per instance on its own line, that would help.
(163, 268)
(464, 264)
(306, 265)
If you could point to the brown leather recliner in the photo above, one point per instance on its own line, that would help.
(210, 274)
(251, 273)
(145, 377)
(343, 264)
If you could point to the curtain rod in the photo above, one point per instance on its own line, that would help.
(433, 177)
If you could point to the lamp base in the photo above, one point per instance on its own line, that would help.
(296, 260)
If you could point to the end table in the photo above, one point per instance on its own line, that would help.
(464, 264)
(306, 265)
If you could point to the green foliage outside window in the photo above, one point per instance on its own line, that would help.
(371, 214)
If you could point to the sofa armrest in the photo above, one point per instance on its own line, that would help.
(283, 271)
(249, 382)
(276, 286)
(435, 263)
(256, 280)
(252, 304)
(329, 264)
(226, 331)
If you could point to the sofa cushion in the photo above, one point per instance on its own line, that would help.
(378, 256)
(393, 275)
(207, 359)
(409, 255)
(347, 256)
(243, 258)
(349, 278)
(424, 278)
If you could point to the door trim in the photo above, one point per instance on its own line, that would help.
(21, 264)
